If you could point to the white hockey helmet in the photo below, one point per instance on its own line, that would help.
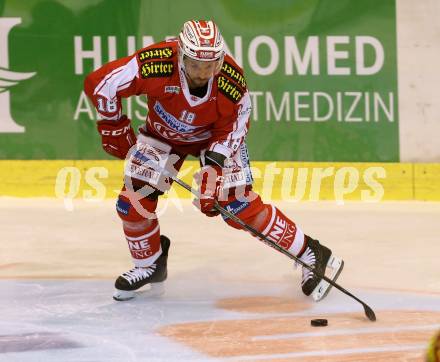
(201, 40)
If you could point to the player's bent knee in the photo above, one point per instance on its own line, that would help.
(267, 219)
(259, 221)
(131, 209)
(250, 209)
(135, 226)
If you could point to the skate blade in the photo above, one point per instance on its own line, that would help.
(123, 295)
(153, 290)
(323, 288)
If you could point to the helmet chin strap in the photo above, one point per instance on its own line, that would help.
(185, 73)
(220, 64)
(189, 81)
(182, 66)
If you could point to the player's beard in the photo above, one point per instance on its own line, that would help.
(196, 82)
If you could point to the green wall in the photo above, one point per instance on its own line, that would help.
(322, 73)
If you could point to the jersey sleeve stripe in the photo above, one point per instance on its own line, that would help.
(125, 74)
(230, 144)
(106, 78)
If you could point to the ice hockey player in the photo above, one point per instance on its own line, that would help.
(198, 105)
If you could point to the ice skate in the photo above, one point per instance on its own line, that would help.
(320, 258)
(130, 282)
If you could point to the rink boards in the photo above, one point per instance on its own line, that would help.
(285, 181)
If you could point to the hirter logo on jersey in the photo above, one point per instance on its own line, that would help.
(157, 69)
(155, 53)
(229, 89)
(233, 73)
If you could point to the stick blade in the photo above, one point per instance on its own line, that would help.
(369, 313)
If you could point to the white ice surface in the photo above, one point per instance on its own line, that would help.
(57, 269)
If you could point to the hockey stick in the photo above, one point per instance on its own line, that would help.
(368, 311)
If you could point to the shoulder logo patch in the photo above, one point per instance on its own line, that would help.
(157, 69)
(229, 89)
(234, 74)
(155, 53)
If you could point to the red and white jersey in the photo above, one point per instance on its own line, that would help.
(218, 121)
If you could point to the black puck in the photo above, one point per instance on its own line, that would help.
(319, 322)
